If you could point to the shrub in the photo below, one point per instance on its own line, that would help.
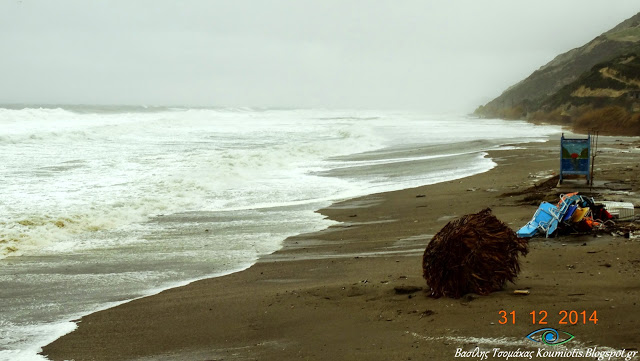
(609, 120)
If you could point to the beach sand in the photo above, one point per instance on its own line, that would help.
(331, 295)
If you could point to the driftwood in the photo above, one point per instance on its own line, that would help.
(476, 253)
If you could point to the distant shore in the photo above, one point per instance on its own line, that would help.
(345, 293)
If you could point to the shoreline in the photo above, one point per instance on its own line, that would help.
(290, 303)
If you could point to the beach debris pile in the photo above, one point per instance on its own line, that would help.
(575, 214)
(476, 253)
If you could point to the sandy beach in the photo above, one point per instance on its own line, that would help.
(355, 290)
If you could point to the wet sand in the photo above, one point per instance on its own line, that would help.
(331, 295)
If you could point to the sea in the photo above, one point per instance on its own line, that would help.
(102, 205)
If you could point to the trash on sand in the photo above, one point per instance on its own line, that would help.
(545, 219)
(621, 210)
(476, 253)
(573, 214)
(521, 292)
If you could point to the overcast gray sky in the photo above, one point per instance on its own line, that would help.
(440, 55)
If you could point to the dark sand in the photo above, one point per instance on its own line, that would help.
(330, 295)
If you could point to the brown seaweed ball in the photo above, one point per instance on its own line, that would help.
(476, 253)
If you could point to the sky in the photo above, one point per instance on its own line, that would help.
(437, 55)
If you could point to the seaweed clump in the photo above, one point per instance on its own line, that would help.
(476, 253)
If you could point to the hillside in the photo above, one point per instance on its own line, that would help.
(601, 77)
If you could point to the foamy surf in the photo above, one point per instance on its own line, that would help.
(103, 205)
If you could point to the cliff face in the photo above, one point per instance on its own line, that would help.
(613, 82)
(602, 73)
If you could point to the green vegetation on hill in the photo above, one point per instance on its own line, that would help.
(596, 86)
(630, 34)
(609, 83)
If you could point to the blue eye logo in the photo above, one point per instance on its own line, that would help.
(549, 336)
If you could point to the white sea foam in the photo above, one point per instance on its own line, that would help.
(25, 339)
(105, 205)
(101, 172)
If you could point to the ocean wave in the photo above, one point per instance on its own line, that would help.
(90, 173)
(113, 204)
(28, 234)
(112, 170)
